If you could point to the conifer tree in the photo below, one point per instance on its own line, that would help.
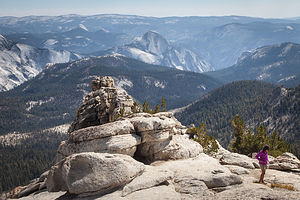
(163, 105)
(146, 107)
(156, 109)
(246, 142)
(238, 133)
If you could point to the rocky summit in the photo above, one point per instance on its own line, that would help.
(113, 153)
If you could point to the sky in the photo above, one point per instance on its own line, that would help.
(156, 8)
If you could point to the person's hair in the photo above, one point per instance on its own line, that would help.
(266, 147)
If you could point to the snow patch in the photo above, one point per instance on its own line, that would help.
(83, 27)
(263, 76)
(159, 84)
(50, 42)
(151, 81)
(276, 64)
(143, 56)
(286, 50)
(32, 104)
(201, 87)
(287, 78)
(259, 54)
(123, 82)
(147, 80)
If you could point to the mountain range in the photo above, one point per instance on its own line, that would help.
(220, 40)
(277, 64)
(79, 39)
(152, 48)
(20, 62)
(223, 45)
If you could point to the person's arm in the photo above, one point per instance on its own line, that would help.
(258, 155)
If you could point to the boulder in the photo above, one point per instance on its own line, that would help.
(287, 161)
(119, 127)
(92, 172)
(177, 147)
(122, 144)
(144, 122)
(151, 177)
(237, 159)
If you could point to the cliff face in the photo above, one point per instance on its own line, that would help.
(148, 156)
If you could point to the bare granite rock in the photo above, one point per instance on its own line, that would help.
(237, 169)
(237, 159)
(176, 147)
(92, 172)
(162, 192)
(199, 170)
(119, 127)
(151, 177)
(104, 104)
(122, 144)
(287, 161)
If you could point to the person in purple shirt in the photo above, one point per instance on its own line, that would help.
(262, 157)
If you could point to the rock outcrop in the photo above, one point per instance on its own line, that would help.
(149, 137)
(285, 162)
(102, 105)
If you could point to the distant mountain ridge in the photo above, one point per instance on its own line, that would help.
(20, 62)
(152, 48)
(223, 45)
(277, 64)
(220, 40)
(78, 39)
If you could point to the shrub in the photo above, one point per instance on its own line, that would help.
(208, 142)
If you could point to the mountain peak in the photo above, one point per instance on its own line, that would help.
(154, 42)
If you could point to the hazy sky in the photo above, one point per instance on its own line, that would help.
(158, 8)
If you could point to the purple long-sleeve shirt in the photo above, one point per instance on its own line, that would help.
(262, 157)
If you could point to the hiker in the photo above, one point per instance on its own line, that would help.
(262, 157)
